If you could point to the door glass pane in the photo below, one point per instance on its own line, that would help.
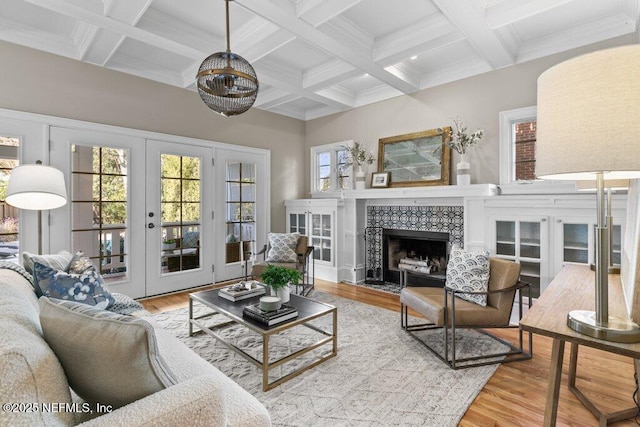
(240, 212)
(616, 245)
(99, 211)
(506, 238)
(181, 212)
(576, 243)
(9, 222)
(530, 239)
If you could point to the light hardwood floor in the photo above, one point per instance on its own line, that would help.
(515, 395)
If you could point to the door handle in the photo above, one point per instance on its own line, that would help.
(151, 225)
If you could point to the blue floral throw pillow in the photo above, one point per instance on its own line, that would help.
(86, 287)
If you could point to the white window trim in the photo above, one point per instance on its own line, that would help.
(508, 156)
(507, 151)
(332, 148)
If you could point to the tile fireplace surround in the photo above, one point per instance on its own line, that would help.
(443, 219)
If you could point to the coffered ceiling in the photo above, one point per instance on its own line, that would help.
(316, 57)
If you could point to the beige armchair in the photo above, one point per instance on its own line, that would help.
(444, 309)
(303, 264)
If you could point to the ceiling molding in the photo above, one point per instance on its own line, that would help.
(311, 56)
(323, 42)
(471, 23)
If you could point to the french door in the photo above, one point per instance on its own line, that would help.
(124, 195)
(179, 217)
(241, 219)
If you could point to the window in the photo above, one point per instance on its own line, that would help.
(240, 213)
(525, 150)
(517, 145)
(9, 220)
(328, 170)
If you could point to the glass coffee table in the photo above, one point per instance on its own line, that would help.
(308, 310)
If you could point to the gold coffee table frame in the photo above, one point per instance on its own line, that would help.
(307, 311)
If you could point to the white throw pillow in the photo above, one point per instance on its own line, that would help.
(282, 247)
(108, 358)
(469, 271)
(59, 261)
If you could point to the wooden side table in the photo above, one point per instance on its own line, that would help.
(573, 289)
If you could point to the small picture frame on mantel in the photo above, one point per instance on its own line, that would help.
(380, 179)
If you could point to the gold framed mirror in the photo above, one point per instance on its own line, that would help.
(416, 159)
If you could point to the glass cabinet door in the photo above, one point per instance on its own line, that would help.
(521, 241)
(321, 233)
(298, 223)
(575, 246)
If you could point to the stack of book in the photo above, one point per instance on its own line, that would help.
(237, 293)
(270, 318)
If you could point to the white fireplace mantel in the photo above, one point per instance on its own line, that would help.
(441, 191)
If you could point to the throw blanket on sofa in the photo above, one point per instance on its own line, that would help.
(17, 268)
(124, 304)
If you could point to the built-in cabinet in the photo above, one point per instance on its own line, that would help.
(543, 233)
(321, 220)
(575, 240)
(523, 240)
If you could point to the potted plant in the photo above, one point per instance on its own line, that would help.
(168, 244)
(279, 278)
(460, 140)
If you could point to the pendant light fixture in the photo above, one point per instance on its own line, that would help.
(227, 83)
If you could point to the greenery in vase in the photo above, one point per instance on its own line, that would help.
(358, 155)
(460, 140)
(279, 277)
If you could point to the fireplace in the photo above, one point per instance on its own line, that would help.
(422, 251)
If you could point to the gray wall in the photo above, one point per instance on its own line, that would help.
(476, 100)
(38, 82)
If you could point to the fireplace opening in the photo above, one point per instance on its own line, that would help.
(426, 252)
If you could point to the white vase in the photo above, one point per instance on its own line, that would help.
(360, 177)
(463, 170)
(284, 294)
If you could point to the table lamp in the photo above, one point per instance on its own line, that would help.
(588, 129)
(610, 185)
(36, 187)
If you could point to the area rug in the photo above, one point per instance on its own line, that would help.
(381, 376)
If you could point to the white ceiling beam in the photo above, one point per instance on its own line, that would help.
(71, 9)
(581, 35)
(104, 44)
(275, 74)
(163, 25)
(127, 11)
(510, 11)
(317, 12)
(138, 67)
(423, 36)
(321, 111)
(258, 38)
(339, 95)
(272, 97)
(328, 74)
(322, 41)
(14, 32)
(471, 22)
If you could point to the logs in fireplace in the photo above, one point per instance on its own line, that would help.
(422, 251)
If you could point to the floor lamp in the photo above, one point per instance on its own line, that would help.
(36, 187)
(588, 129)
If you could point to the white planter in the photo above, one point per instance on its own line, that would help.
(284, 294)
(463, 170)
(360, 178)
